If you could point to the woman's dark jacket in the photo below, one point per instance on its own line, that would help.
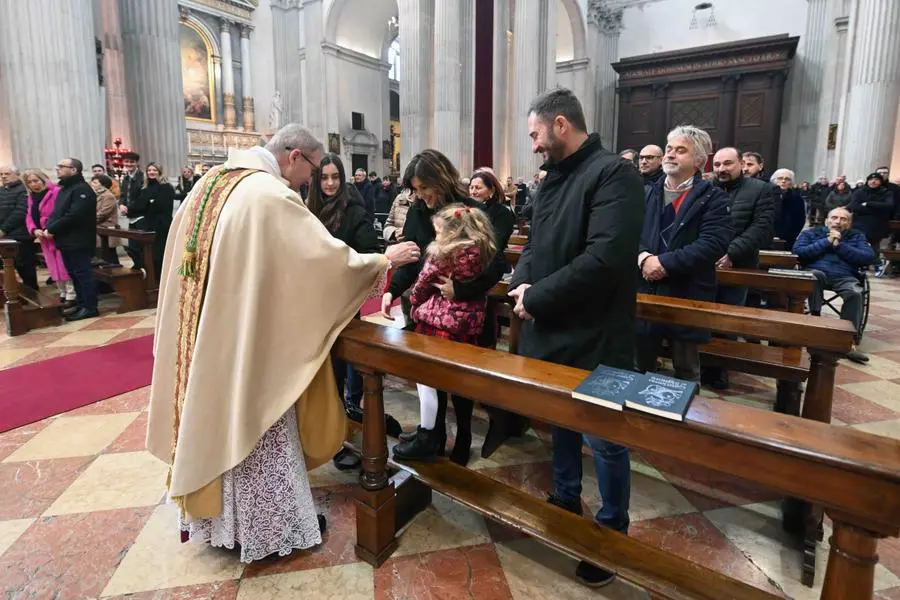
(790, 214)
(357, 230)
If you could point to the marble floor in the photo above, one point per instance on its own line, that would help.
(82, 512)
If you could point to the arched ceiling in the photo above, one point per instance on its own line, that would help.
(360, 25)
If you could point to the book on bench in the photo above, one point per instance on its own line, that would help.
(804, 273)
(663, 396)
(609, 387)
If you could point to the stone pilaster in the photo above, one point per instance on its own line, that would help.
(247, 79)
(605, 25)
(51, 94)
(874, 88)
(288, 80)
(467, 86)
(118, 124)
(447, 80)
(227, 75)
(798, 139)
(416, 64)
(502, 41)
(316, 80)
(534, 42)
(833, 82)
(153, 74)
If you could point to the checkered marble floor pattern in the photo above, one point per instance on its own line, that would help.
(82, 512)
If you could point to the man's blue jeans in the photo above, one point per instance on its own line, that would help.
(613, 467)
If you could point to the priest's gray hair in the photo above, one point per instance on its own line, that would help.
(294, 136)
(702, 142)
(12, 168)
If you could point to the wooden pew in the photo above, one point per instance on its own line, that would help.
(136, 290)
(25, 309)
(854, 475)
(518, 240)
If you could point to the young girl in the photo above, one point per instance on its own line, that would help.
(464, 245)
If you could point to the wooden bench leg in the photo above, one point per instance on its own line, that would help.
(851, 562)
(787, 398)
(376, 499)
(133, 294)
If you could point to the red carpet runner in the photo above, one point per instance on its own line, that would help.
(33, 392)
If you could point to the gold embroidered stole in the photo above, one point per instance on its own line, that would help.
(203, 214)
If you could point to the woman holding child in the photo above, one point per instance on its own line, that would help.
(455, 274)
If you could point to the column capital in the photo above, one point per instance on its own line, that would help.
(184, 13)
(245, 30)
(225, 25)
(604, 18)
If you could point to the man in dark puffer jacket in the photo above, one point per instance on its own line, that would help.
(835, 253)
(13, 205)
(753, 218)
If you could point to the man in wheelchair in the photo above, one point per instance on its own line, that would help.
(835, 253)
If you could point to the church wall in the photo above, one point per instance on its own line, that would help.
(895, 160)
(359, 89)
(663, 26)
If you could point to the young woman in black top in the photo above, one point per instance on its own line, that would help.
(343, 213)
(152, 207)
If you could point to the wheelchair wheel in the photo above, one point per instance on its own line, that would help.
(865, 307)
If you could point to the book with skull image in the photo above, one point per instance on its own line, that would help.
(664, 396)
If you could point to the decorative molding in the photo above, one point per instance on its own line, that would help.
(576, 64)
(604, 17)
(357, 58)
(287, 4)
(209, 144)
(772, 53)
(842, 24)
(236, 10)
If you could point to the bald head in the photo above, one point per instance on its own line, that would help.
(840, 219)
(650, 159)
(727, 165)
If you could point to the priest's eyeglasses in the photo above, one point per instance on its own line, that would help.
(303, 154)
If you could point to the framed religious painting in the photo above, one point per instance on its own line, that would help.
(197, 74)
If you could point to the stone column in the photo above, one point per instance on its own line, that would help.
(875, 87)
(467, 86)
(288, 80)
(227, 75)
(605, 24)
(153, 73)
(51, 96)
(447, 80)
(247, 81)
(416, 64)
(534, 39)
(315, 93)
(118, 124)
(501, 88)
(798, 143)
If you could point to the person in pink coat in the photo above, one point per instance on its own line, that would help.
(42, 195)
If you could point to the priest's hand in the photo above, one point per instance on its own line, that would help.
(386, 302)
(403, 253)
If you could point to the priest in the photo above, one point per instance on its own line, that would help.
(253, 293)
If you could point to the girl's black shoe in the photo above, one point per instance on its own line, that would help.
(423, 447)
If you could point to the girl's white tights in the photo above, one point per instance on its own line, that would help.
(428, 405)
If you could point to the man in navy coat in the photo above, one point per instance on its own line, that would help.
(687, 228)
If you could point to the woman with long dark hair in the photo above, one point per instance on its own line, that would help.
(436, 184)
(151, 210)
(343, 213)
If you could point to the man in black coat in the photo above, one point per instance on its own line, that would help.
(366, 191)
(687, 229)
(753, 218)
(13, 206)
(650, 164)
(574, 286)
(73, 227)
